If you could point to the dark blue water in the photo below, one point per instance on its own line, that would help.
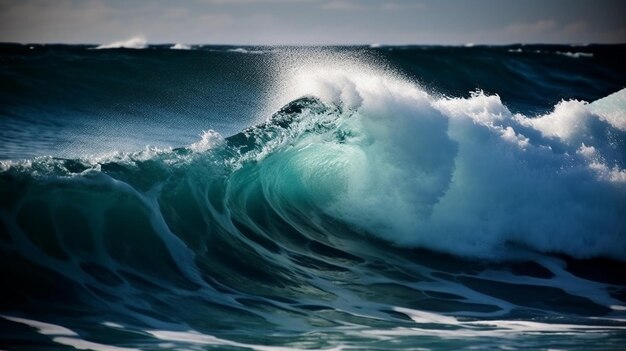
(313, 198)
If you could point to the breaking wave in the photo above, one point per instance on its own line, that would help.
(132, 43)
(362, 198)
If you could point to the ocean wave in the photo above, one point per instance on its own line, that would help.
(132, 43)
(575, 54)
(459, 175)
(364, 207)
(179, 46)
(245, 51)
(562, 53)
(416, 169)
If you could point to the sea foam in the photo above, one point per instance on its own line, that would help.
(132, 43)
(245, 51)
(463, 175)
(179, 46)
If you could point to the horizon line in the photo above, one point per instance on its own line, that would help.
(469, 44)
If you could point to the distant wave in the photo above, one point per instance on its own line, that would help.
(575, 54)
(245, 51)
(563, 53)
(179, 46)
(132, 43)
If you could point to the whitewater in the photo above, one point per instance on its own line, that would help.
(346, 204)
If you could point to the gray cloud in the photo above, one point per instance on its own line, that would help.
(314, 21)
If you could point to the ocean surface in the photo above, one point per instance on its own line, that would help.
(298, 198)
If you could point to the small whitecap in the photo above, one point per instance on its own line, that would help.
(132, 43)
(245, 51)
(180, 46)
(575, 54)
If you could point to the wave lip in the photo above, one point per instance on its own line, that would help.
(132, 43)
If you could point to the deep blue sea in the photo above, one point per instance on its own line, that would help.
(313, 198)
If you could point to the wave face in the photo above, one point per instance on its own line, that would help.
(366, 212)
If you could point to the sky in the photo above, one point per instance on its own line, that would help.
(314, 22)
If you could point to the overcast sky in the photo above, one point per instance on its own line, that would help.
(312, 22)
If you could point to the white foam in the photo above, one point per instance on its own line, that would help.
(132, 43)
(569, 121)
(195, 337)
(245, 51)
(43, 328)
(611, 109)
(461, 175)
(65, 336)
(424, 317)
(575, 54)
(209, 140)
(81, 344)
(485, 328)
(179, 46)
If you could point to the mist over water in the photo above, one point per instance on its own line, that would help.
(313, 198)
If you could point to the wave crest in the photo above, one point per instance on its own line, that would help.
(459, 175)
(132, 43)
